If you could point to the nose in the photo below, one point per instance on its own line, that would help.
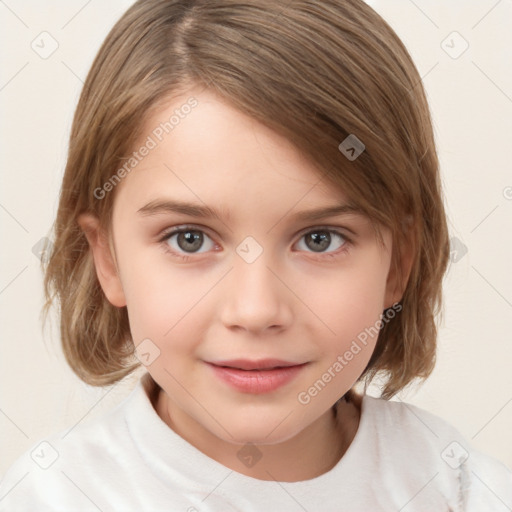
(255, 299)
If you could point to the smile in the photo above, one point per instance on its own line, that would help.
(256, 377)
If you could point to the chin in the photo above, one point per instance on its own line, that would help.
(258, 431)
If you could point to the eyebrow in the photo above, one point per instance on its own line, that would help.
(166, 206)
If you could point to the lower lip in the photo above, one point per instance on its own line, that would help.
(257, 381)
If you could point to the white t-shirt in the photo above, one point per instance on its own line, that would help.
(402, 458)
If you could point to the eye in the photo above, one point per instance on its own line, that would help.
(320, 240)
(188, 240)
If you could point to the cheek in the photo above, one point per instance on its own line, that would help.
(157, 294)
(352, 298)
(168, 304)
(350, 310)
(351, 305)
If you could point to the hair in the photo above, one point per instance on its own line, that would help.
(314, 71)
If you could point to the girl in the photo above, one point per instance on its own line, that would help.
(251, 209)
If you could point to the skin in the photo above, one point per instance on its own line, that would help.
(291, 303)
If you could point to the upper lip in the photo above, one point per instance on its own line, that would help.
(260, 364)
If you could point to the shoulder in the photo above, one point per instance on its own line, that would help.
(418, 441)
(412, 420)
(65, 470)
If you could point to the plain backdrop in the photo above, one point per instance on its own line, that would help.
(463, 51)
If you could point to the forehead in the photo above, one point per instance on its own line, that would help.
(212, 153)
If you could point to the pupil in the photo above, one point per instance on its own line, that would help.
(320, 240)
(192, 240)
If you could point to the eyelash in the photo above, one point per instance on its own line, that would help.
(187, 257)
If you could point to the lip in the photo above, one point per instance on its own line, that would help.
(260, 364)
(256, 377)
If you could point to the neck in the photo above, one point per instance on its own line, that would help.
(309, 454)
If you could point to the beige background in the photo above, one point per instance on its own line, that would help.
(471, 102)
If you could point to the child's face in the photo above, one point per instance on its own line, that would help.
(258, 283)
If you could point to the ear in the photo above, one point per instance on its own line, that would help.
(397, 280)
(106, 268)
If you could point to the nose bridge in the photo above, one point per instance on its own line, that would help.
(255, 299)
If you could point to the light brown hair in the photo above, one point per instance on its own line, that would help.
(315, 71)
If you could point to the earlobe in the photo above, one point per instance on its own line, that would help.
(106, 269)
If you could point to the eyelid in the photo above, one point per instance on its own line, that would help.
(184, 227)
(335, 229)
(181, 227)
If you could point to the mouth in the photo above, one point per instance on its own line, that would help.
(256, 377)
(260, 365)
